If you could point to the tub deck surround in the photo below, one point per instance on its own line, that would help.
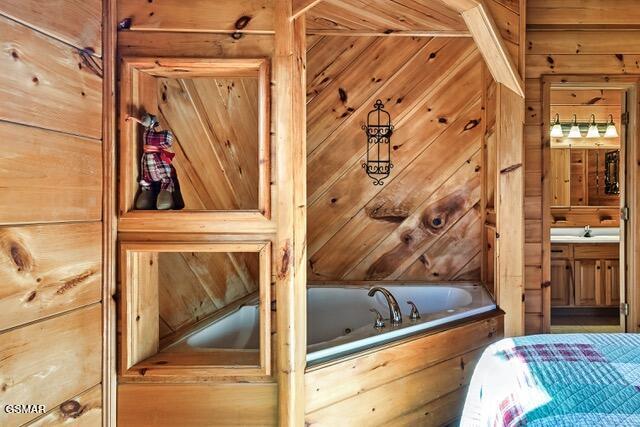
(419, 380)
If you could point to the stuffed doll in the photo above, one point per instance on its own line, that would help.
(155, 167)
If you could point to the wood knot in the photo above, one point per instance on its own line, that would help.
(21, 257)
(511, 168)
(342, 94)
(392, 214)
(242, 22)
(407, 238)
(125, 24)
(237, 35)
(74, 281)
(471, 124)
(285, 260)
(71, 409)
(31, 296)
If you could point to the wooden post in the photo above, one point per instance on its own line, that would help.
(109, 214)
(510, 208)
(291, 254)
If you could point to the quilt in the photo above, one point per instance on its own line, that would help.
(557, 380)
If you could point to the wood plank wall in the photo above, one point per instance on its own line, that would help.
(51, 210)
(421, 381)
(202, 30)
(598, 37)
(502, 158)
(423, 223)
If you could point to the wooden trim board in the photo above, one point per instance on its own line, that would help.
(139, 341)
(136, 69)
(492, 47)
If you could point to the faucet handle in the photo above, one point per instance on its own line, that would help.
(415, 314)
(379, 323)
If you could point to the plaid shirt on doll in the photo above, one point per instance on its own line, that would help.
(156, 160)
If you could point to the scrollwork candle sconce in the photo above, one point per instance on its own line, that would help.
(378, 131)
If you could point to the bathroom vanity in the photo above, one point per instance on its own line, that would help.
(585, 271)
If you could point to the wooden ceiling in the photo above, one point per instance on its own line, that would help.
(383, 16)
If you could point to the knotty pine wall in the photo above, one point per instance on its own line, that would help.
(424, 222)
(598, 37)
(51, 234)
(432, 88)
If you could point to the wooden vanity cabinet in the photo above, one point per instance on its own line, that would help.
(612, 282)
(585, 275)
(588, 283)
(561, 282)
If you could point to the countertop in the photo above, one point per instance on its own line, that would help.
(576, 235)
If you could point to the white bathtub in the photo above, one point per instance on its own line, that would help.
(240, 329)
(339, 321)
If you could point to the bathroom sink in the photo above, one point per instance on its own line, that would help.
(577, 235)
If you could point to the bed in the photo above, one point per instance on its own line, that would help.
(557, 380)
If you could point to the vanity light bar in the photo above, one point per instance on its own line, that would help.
(591, 129)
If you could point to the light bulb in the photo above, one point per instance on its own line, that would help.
(556, 130)
(575, 129)
(611, 132)
(593, 131)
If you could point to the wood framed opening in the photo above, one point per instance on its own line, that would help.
(218, 113)
(195, 309)
(608, 273)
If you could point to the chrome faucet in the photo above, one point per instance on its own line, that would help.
(394, 309)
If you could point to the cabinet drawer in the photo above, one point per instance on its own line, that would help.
(560, 251)
(596, 251)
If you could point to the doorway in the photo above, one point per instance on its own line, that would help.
(585, 205)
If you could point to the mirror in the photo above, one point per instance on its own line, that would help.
(216, 157)
(204, 305)
(585, 147)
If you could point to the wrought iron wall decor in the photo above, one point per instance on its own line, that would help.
(611, 172)
(378, 131)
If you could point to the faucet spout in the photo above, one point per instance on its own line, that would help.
(394, 309)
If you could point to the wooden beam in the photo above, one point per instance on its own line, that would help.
(301, 6)
(461, 5)
(390, 33)
(289, 68)
(492, 47)
(509, 274)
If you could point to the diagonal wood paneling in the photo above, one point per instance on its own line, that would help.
(383, 15)
(215, 123)
(358, 231)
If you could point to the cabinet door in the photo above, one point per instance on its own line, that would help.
(612, 282)
(560, 177)
(561, 282)
(588, 284)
